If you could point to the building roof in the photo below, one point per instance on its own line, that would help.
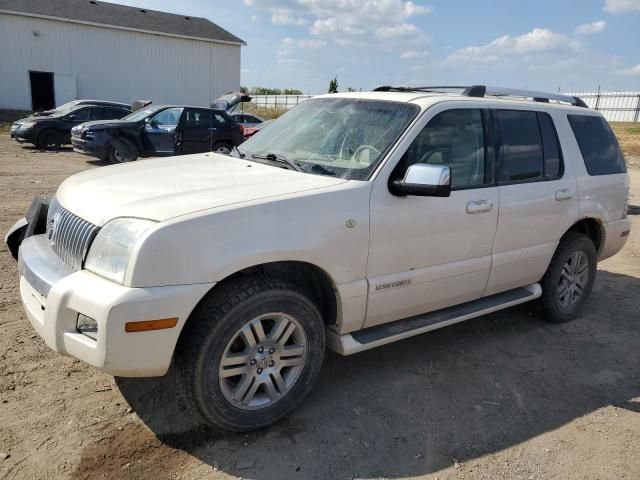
(121, 16)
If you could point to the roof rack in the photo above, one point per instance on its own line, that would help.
(482, 91)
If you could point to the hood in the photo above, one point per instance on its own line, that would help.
(160, 189)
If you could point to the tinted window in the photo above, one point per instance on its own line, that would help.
(79, 115)
(552, 153)
(113, 113)
(218, 118)
(520, 154)
(454, 138)
(198, 119)
(598, 145)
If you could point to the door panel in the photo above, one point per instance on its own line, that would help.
(428, 253)
(161, 129)
(196, 131)
(533, 217)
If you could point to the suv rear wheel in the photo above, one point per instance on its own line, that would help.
(250, 353)
(222, 147)
(569, 279)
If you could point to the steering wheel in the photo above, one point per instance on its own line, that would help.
(362, 148)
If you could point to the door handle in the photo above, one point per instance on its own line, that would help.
(563, 194)
(479, 206)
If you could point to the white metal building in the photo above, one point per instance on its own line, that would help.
(53, 51)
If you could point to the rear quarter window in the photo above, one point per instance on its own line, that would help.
(598, 145)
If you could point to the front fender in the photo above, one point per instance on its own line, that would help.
(309, 227)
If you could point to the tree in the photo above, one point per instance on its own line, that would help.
(351, 89)
(333, 85)
(291, 91)
(244, 90)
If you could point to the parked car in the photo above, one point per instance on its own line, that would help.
(251, 131)
(73, 103)
(53, 130)
(353, 221)
(163, 130)
(246, 120)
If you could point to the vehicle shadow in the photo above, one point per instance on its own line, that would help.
(36, 149)
(420, 405)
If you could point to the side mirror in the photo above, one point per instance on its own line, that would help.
(424, 181)
(152, 123)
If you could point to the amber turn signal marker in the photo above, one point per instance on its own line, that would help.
(625, 233)
(147, 325)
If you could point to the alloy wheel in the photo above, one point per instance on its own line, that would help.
(574, 278)
(263, 361)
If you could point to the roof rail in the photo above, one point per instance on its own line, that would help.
(535, 96)
(482, 91)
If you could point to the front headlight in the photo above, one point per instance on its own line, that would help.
(27, 124)
(110, 250)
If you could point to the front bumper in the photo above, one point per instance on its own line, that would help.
(53, 296)
(88, 147)
(24, 135)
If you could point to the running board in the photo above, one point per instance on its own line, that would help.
(378, 335)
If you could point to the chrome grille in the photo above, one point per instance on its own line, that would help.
(69, 235)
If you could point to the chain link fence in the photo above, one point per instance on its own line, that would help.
(615, 106)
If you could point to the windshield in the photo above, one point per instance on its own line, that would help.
(141, 114)
(341, 137)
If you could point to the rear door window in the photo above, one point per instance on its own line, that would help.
(598, 145)
(197, 119)
(520, 152)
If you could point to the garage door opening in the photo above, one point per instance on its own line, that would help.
(42, 96)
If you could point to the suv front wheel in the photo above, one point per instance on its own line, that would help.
(250, 353)
(569, 279)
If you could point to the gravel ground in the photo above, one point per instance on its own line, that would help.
(503, 396)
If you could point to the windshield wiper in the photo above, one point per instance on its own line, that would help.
(272, 157)
(237, 150)
(322, 171)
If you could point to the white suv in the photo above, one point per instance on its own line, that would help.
(353, 221)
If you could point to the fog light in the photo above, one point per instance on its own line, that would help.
(87, 326)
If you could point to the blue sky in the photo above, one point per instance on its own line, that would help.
(546, 45)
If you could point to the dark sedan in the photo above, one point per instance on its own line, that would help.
(163, 130)
(52, 130)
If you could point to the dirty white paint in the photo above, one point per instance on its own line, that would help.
(112, 64)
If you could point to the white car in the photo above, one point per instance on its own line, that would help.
(353, 221)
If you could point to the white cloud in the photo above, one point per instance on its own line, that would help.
(400, 30)
(622, 6)
(290, 60)
(254, 18)
(631, 72)
(350, 22)
(591, 28)
(311, 43)
(285, 17)
(538, 40)
(412, 55)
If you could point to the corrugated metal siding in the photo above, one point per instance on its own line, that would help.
(113, 64)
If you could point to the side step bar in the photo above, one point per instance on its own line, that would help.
(378, 335)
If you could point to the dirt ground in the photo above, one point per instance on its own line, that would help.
(506, 396)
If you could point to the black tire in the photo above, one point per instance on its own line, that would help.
(552, 308)
(122, 151)
(215, 322)
(222, 147)
(50, 139)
